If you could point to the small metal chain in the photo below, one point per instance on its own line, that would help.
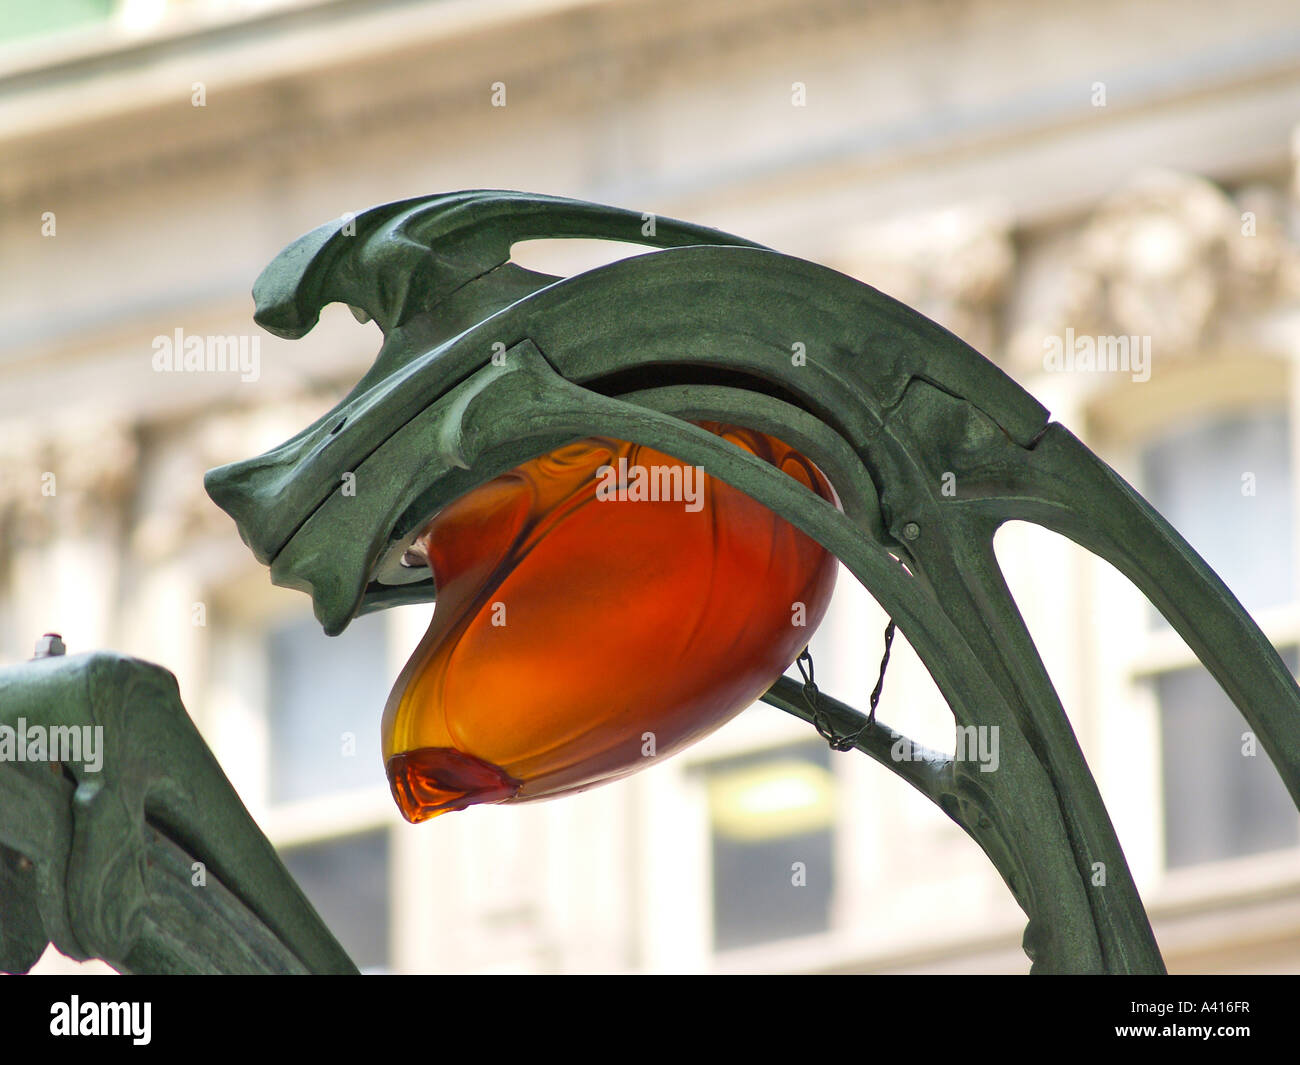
(813, 697)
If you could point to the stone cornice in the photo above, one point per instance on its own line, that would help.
(320, 72)
(322, 82)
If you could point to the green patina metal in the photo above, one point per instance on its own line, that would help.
(143, 855)
(485, 365)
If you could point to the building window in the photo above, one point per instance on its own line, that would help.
(325, 700)
(1222, 796)
(346, 879)
(1226, 484)
(772, 820)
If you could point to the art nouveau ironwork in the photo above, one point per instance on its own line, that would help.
(486, 366)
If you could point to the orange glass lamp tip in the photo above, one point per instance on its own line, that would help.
(599, 608)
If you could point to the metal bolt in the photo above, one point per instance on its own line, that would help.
(50, 646)
(911, 531)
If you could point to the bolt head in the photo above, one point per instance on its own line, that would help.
(50, 646)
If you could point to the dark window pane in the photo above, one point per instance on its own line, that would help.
(1219, 802)
(772, 819)
(326, 699)
(1194, 477)
(347, 881)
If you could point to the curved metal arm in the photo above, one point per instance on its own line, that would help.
(884, 400)
(137, 850)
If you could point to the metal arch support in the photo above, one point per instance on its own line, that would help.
(885, 401)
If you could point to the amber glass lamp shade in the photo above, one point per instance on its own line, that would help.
(599, 608)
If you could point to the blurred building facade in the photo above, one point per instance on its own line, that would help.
(1016, 172)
